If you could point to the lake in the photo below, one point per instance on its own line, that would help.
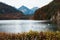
(19, 26)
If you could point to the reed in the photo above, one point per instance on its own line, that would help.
(32, 35)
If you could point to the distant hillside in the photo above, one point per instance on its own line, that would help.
(34, 9)
(27, 11)
(9, 12)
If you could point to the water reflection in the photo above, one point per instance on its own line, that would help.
(16, 26)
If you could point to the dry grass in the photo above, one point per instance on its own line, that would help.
(31, 36)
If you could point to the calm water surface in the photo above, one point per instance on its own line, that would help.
(18, 26)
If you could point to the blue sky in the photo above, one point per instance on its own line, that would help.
(28, 3)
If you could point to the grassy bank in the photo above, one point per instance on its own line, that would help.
(31, 36)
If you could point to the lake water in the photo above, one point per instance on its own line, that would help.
(18, 26)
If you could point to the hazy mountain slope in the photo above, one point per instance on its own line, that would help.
(27, 11)
(34, 9)
(9, 12)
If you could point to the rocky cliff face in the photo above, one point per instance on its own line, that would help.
(56, 19)
(9, 12)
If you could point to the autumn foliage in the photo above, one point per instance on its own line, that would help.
(48, 11)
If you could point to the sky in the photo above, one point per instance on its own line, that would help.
(28, 3)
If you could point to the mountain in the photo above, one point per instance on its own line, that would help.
(27, 11)
(34, 9)
(9, 12)
(47, 11)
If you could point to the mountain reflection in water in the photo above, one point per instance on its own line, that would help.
(18, 26)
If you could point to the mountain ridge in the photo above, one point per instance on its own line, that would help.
(9, 12)
(47, 11)
(26, 10)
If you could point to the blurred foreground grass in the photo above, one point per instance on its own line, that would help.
(32, 35)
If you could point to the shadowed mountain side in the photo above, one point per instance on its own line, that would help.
(9, 16)
(46, 12)
(49, 12)
(9, 12)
